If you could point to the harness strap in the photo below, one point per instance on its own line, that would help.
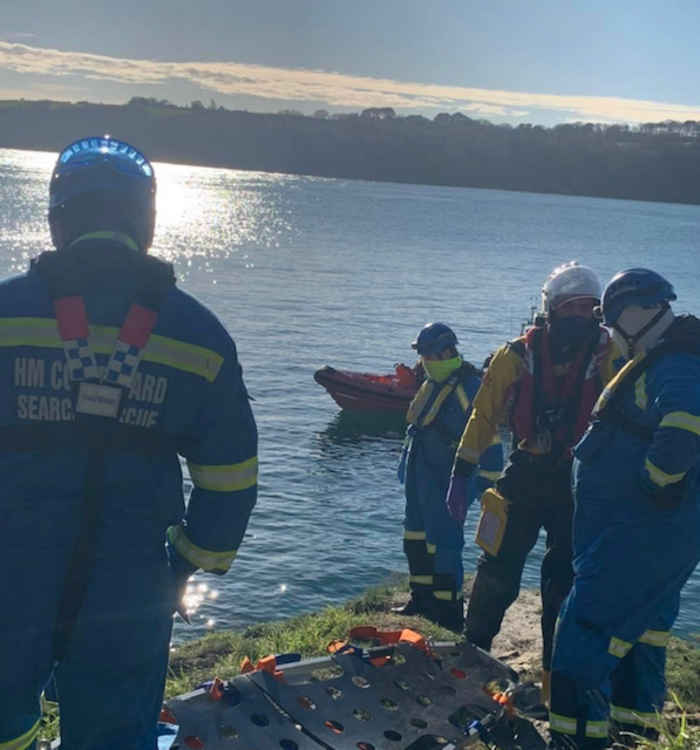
(96, 404)
(681, 338)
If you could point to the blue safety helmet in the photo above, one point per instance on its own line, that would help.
(433, 339)
(635, 286)
(101, 183)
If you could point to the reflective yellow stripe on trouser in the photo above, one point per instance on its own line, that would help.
(569, 724)
(23, 742)
(630, 716)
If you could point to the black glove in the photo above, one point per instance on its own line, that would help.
(181, 569)
(667, 498)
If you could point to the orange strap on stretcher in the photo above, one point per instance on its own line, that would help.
(266, 664)
(384, 637)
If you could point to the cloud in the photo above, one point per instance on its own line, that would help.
(332, 88)
(19, 36)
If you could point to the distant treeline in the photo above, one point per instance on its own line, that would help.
(655, 161)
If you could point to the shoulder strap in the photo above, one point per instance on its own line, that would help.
(683, 337)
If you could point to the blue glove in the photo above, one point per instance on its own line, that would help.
(181, 569)
(457, 492)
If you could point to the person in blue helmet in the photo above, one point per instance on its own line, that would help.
(433, 541)
(636, 521)
(108, 373)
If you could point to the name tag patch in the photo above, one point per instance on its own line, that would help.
(98, 400)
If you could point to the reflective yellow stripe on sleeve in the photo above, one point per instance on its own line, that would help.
(225, 477)
(23, 742)
(492, 476)
(162, 350)
(658, 638)
(659, 477)
(182, 356)
(432, 548)
(682, 420)
(618, 647)
(414, 536)
(562, 724)
(202, 558)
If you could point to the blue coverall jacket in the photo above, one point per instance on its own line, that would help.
(636, 532)
(433, 541)
(187, 392)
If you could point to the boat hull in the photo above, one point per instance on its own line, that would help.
(359, 391)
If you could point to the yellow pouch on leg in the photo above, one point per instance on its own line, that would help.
(492, 524)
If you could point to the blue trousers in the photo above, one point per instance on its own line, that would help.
(610, 646)
(433, 541)
(110, 683)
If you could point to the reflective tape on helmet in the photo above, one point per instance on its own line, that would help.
(22, 742)
(226, 477)
(682, 420)
(660, 477)
(205, 559)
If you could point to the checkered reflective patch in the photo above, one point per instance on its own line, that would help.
(80, 360)
(122, 364)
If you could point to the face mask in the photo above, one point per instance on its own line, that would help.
(569, 333)
(441, 369)
(634, 320)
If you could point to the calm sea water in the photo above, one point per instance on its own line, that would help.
(306, 272)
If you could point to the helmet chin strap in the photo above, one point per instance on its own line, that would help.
(633, 338)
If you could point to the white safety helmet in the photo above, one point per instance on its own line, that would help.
(568, 282)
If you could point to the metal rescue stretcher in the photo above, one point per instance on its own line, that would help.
(403, 694)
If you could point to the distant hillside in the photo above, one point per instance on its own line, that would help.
(658, 161)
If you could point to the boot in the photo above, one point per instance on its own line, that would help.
(418, 604)
(448, 614)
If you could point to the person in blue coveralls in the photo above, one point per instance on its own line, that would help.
(108, 372)
(636, 522)
(433, 541)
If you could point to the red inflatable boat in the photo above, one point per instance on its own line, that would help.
(369, 392)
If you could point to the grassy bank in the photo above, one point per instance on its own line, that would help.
(220, 654)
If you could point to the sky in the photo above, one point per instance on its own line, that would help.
(508, 61)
